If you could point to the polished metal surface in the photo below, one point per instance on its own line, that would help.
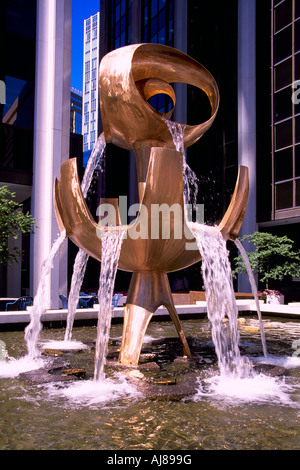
(124, 78)
(147, 292)
(156, 242)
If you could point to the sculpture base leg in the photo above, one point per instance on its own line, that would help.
(147, 292)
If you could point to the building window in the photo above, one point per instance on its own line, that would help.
(157, 27)
(158, 21)
(94, 63)
(120, 14)
(286, 114)
(93, 105)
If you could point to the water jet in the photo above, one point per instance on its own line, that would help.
(201, 371)
(127, 78)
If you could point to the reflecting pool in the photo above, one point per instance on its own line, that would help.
(258, 413)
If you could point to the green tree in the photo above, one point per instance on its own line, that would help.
(12, 223)
(274, 257)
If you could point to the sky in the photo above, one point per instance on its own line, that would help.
(81, 10)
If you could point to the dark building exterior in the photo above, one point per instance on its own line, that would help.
(76, 112)
(17, 73)
(251, 48)
(35, 130)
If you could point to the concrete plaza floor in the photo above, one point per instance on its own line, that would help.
(18, 319)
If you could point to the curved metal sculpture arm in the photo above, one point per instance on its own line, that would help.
(234, 216)
(130, 75)
(145, 254)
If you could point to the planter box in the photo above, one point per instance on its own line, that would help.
(275, 299)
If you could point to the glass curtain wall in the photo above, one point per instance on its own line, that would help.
(120, 22)
(17, 88)
(285, 70)
(158, 27)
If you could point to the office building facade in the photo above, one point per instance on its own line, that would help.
(250, 47)
(90, 83)
(76, 111)
(35, 132)
(252, 50)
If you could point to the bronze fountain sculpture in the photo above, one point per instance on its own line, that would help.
(128, 77)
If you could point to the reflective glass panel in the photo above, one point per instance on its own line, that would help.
(283, 134)
(283, 104)
(283, 74)
(284, 195)
(283, 164)
(283, 14)
(283, 44)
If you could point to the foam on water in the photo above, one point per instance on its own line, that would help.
(148, 339)
(288, 362)
(13, 367)
(256, 389)
(93, 392)
(63, 345)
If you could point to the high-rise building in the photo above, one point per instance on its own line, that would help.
(251, 48)
(35, 132)
(253, 51)
(91, 37)
(76, 111)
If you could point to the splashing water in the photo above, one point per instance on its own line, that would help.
(254, 292)
(32, 330)
(93, 393)
(110, 251)
(258, 388)
(79, 269)
(12, 367)
(96, 160)
(221, 303)
(190, 179)
(216, 271)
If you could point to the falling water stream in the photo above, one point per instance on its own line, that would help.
(217, 277)
(80, 263)
(111, 243)
(112, 414)
(221, 304)
(33, 330)
(254, 292)
(79, 268)
(190, 180)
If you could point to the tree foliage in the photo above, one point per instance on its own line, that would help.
(13, 222)
(273, 257)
